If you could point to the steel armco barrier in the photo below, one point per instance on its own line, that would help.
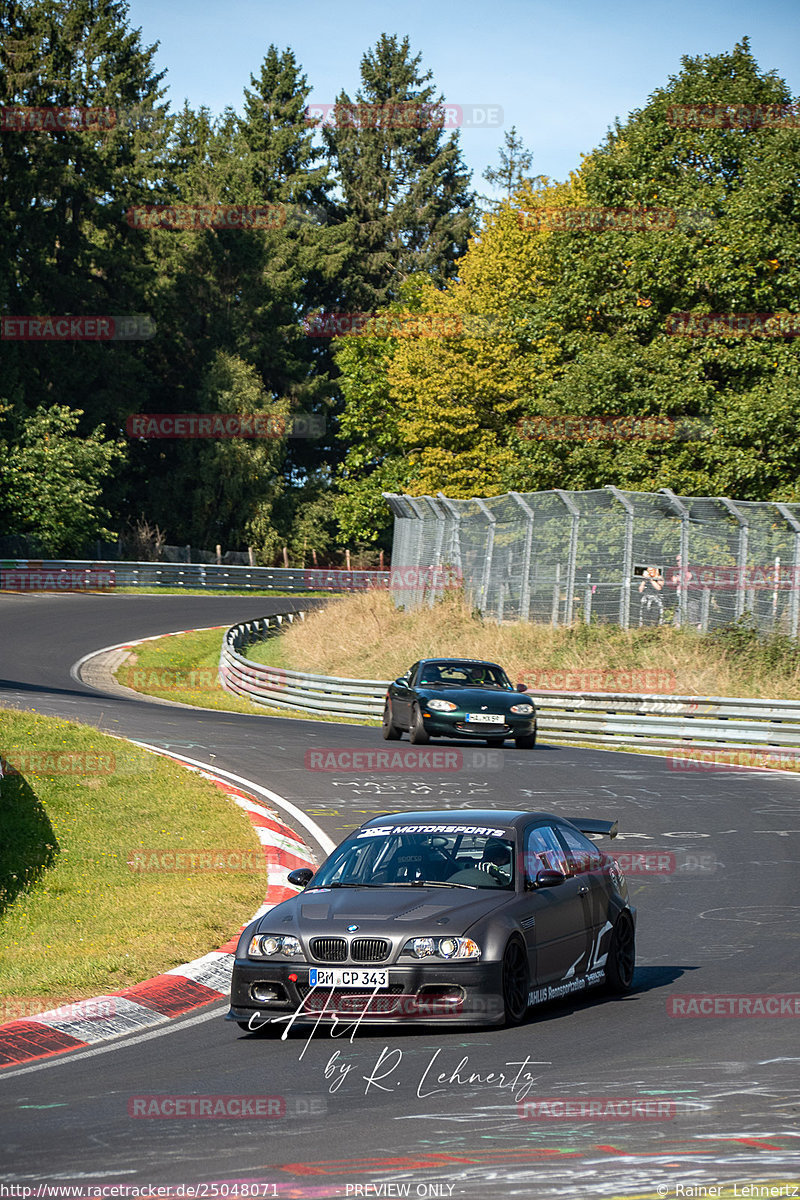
(277, 688)
(210, 575)
(621, 718)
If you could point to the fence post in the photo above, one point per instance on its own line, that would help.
(525, 595)
(487, 569)
(441, 521)
(627, 558)
(742, 564)
(420, 530)
(455, 516)
(572, 559)
(587, 600)
(683, 513)
(556, 597)
(794, 595)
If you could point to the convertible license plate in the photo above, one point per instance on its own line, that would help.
(487, 718)
(343, 978)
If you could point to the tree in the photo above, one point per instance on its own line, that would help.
(515, 162)
(583, 307)
(406, 200)
(53, 479)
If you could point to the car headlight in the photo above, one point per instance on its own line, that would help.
(268, 946)
(447, 947)
(441, 705)
(522, 709)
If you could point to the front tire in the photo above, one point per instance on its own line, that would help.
(621, 956)
(391, 732)
(417, 734)
(515, 982)
(526, 741)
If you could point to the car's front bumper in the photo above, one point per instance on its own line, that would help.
(420, 993)
(455, 725)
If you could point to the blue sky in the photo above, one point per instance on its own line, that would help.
(560, 72)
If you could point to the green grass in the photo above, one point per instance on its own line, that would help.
(184, 668)
(75, 918)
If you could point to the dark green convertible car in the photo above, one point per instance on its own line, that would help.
(459, 698)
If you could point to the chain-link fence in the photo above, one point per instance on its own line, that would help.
(631, 558)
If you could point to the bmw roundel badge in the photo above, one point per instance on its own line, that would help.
(352, 928)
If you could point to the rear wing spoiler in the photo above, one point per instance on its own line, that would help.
(587, 825)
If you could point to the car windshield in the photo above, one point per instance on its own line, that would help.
(403, 857)
(483, 675)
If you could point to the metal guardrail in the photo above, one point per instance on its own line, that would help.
(278, 688)
(621, 718)
(25, 574)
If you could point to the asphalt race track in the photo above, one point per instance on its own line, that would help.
(430, 1112)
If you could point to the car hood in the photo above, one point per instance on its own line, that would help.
(472, 698)
(329, 911)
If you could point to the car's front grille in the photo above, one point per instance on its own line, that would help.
(351, 1000)
(483, 727)
(331, 949)
(369, 949)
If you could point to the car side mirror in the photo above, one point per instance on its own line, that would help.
(546, 879)
(402, 681)
(301, 877)
(522, 687)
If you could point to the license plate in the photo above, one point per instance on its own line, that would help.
(342, 977)
(487, 718)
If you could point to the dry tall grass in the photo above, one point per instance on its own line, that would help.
(365, 636)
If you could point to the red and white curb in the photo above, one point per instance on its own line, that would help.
(83, 1023)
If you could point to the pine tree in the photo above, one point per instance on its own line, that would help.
(405, 191)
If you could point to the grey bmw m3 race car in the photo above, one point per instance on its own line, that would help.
(465, 916)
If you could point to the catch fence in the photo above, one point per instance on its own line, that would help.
(624, 557)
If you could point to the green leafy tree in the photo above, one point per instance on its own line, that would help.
(53, 480)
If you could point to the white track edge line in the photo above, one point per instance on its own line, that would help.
(308, 824)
